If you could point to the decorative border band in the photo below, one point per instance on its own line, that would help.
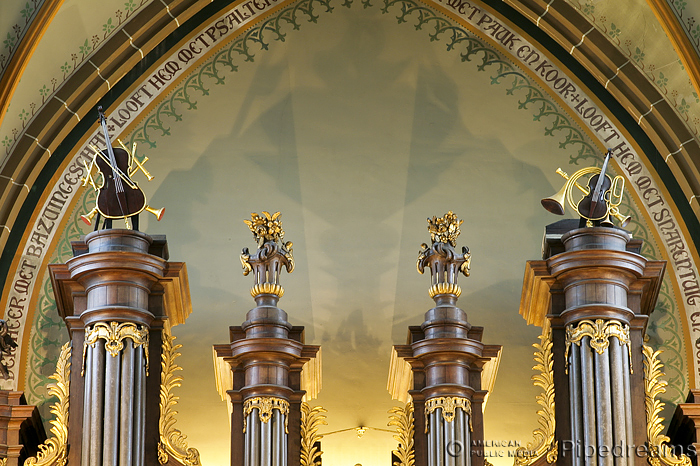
(267, 288)
(445, 288)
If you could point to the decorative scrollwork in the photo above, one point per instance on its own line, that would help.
(265, 406)
(543, 443)
(600, 332)
(114, 335)
(660, 453)
(311, 420)
(54, 452)
(172, 442)
(448, 404)
(402, 419)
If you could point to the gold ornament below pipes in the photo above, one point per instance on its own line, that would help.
(265, 406)
(660, 453)
(543, 443)
(402, 419)
(172, 443)
(448, 404)
(311, 420)
(54, 452)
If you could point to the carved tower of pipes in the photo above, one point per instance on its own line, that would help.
(119, 296)
(441, 368)
(270, 369)
(593, 294)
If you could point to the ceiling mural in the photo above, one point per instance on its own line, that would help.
(356, 119)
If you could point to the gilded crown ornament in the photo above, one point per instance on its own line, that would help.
(444, 262)
(271, 256)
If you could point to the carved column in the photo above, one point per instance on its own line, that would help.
(447, 359)
(596, 292)
(119, 297)
(266, 356)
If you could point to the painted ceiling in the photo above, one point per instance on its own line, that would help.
(356, 120)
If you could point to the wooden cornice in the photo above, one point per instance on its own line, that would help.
(679, 39)
(25, 49)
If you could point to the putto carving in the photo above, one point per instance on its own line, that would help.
(444, 262)
(271, 256)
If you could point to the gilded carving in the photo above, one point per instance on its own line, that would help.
(448, 404)
(272, 254)
(311, 420)
(267, 288)
(114, 335)
(266, 227)
(444, 262)
(543, 443)
(599, 332)
(172, 443)
(445, 288)
(660, 453)
(265, 406)
(402, 419)
(54, 452)
(445, 229)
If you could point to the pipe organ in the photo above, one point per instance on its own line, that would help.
(592, 294)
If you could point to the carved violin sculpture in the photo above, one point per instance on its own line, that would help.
(119, 197)
(601, 197)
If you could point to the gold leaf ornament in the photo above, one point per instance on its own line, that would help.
(449, 405)
(660, 453)
(54, 452)
(114, 335)
(311, 420)
(599, 333)
(172, 442)
(402, 419)
(543, 443)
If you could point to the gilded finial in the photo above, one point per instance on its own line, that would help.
(272, 254)
(266, 227)
(441, 258)
(445, 229)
